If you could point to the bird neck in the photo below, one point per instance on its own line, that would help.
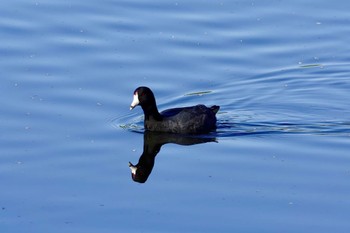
(151, 111)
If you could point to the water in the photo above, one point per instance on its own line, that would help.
(279, 160)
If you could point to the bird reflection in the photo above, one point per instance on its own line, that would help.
(152, 142)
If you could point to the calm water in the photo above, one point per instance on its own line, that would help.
(278, 162)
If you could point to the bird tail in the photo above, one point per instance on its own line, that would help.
(215, 108)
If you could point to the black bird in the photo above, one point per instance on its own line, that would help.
(197, 119)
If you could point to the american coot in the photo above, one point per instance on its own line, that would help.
(188, 120)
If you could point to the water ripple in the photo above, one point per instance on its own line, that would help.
(277, 102)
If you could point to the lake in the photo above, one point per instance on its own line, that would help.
(278, 161)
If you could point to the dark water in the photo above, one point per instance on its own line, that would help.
(278, 162)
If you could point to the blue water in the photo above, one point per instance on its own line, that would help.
(278, 162)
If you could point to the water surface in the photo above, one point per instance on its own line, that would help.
(278, 162)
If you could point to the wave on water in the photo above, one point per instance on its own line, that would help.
(230, 128)
(311, 99)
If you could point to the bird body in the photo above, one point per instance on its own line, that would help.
(186, 120)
